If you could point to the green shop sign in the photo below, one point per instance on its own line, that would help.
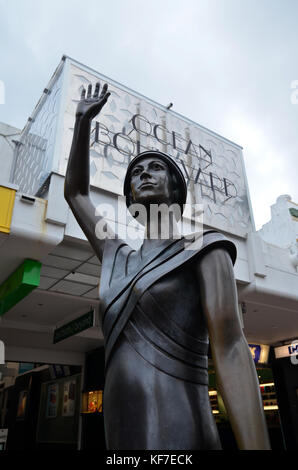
(74, 327)
(19, 284)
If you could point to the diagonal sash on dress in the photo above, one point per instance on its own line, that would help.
(119, 301)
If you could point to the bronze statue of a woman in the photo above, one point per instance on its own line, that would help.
(160, 305)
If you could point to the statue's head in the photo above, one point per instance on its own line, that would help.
(153, 177)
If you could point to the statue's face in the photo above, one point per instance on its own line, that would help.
(151, 182)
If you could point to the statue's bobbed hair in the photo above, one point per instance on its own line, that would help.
(178, 180)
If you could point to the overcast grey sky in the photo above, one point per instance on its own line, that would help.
(226, 64)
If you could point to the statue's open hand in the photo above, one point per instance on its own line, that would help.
(89, 106)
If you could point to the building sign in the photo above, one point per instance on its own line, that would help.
(129, 145)
(286, 350)
(128, 124)
(74, 327)
(260, 353)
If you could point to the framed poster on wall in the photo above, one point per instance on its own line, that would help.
(69, 395)
(52, 400)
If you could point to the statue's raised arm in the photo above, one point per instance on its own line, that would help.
(76, 190)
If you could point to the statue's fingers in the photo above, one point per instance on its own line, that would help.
(105, 98)
(104, 90)
(96, 91)
(83, 94)
(89, 91)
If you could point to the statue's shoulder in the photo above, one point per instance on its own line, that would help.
(112, 248)
(204, 242)
(114, 261)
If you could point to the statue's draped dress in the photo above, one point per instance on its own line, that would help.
(156, 346)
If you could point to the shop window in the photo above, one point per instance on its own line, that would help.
(92, 402)
(267, 389)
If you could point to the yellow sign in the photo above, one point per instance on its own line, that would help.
(7, 197)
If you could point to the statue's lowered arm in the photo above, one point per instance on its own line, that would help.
(235, 370)
(76, 190)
